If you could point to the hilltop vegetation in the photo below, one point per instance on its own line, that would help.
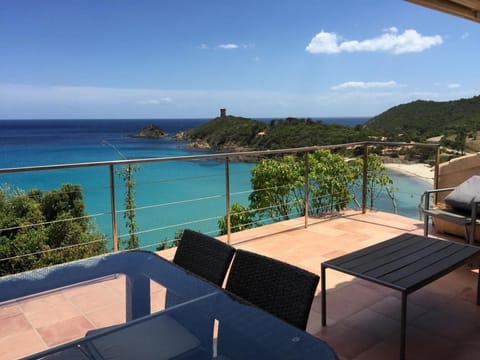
(455, 122)
(420, 120)
(237, 133)
(228, 133)
(292, 132)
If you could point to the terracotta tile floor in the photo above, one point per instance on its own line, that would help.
(362, 318)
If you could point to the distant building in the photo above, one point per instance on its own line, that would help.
(223, 113)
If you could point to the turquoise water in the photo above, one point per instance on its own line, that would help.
(169, 195)
(407, 195)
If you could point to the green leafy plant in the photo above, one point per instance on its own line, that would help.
(241, 218)
(276, 186)
(167, 244)
(279, 185)
(132, 242)
(39, 229)
(329, 178)
(377, 179)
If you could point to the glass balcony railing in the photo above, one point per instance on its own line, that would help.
(153, 199)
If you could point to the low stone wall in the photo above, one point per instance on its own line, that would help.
(456, 171)
(451, 174)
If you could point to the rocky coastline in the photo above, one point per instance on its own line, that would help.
(192, 143)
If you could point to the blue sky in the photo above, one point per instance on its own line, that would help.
(257, 58)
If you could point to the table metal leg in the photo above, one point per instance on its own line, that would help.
(324, 296)
(137, 288)
(478, 287)
(403, 329)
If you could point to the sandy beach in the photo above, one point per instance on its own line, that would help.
(423, 171)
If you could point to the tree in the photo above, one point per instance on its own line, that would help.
(377, 179)
(460, 141)
(39, 229)
(129, 215)
(329, 179)
(241, 218)
(63, 204)
(18, 240)
(277, 187)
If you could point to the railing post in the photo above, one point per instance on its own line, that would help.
(436, 169)
(306, 189)
(365, 179)
(114, 208)
(227, 197)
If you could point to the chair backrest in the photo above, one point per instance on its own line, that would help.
(204, 256)
(281, 289)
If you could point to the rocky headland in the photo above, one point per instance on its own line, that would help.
(150, 132)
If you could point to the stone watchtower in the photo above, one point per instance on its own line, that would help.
(223, 113)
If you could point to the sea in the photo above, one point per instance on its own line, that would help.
(169, 195)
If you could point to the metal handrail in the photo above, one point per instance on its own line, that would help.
(209, 156)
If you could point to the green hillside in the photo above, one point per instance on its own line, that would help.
(237, 133)
(293, 132)
(228, 132)
(420, 119)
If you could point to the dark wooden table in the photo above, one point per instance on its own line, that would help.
(405, 263)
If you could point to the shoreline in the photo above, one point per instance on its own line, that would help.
(422, 171)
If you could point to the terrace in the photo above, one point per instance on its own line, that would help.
(363, 318)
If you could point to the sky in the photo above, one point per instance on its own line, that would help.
(155, 59)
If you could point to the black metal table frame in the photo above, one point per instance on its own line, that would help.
(420, 260)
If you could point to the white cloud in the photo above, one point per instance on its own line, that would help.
(392, 29)
(453, 86)
(155, 101)
(228, 46)
(391, 41)
(148, 102)
(464, 36)
(324, 43)
(364, 85)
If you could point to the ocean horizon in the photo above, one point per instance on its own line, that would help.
(193, 190)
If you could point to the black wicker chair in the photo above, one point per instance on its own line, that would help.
(204, 256)
(281, 289)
